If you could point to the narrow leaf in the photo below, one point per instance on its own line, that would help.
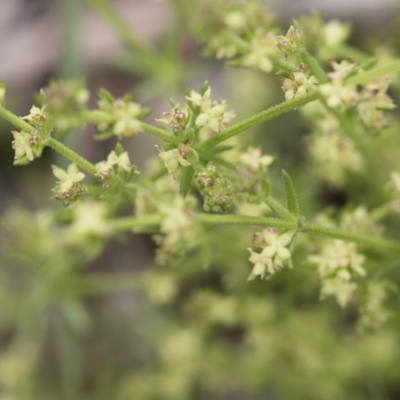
(291, 195)
(185, 180)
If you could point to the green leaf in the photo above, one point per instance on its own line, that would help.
(106, 96)
(291, 195)
(103, 135)
(186, 180)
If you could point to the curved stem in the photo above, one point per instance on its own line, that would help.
(375, 73)
(263, 116)
(160, 133)
(18, 122)
(71, 155)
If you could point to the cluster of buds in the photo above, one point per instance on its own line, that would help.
(177, 119)
(338, 264)
(29, 145)
(65, 102)
(273, 255)
(120, 117)
(333, 153)
(69, 188)
(251, 174)
(177, 231)
(210, 114)
(291, 43)
(298, 83)
(217, 191)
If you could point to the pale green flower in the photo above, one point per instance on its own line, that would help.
(22, 146)
(212, 117)
(36, 115)
(261, 48)
(172, 159)
(272, 256)
(122, 162)
(335, 33)
(90, 220)
(69, 177)
(253, 158)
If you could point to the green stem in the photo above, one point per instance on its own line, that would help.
(375, 73)
(18, 122)
(160, 133)
(362, 240)
(352, 53)
(71, 155)
(263, 116)
(220, 219)
(314, 66)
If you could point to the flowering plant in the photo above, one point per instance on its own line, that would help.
(211, 192)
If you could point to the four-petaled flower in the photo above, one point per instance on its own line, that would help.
(67, 178)
(22, 146)
(172, 159)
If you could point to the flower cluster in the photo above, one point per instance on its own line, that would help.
(114, 163)
(338, 93)
(291, 43)
(121, 117)
(177, 119)
(298, 83)
(334, 154)
(262, 47)
(245, 34)
(209, 114)
(175, 158)
(177, 230)
(217, 191)
(29, 145)
(273, 255)
(338, 264)
(373, 102)
(65, 101)
(69, 187)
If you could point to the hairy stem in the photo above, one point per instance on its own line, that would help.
(263, 116)
(362, 240)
